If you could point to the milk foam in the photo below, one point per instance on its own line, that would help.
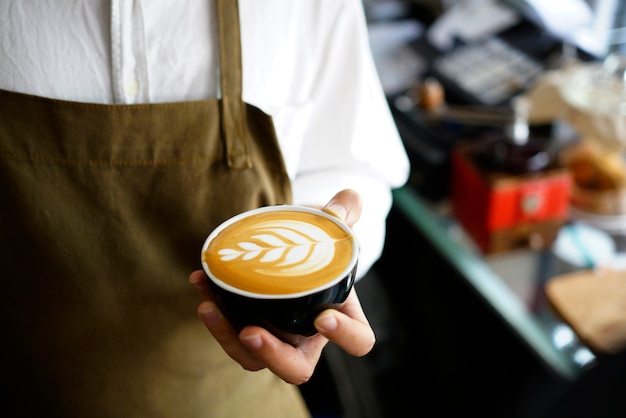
(279, 252)
(284, 248)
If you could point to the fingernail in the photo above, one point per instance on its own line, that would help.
(210, 315)
(327, 322)
(336, 210)
(253, 341)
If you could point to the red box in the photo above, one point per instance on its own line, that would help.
(503, 211)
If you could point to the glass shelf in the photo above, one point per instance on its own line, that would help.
(512, 283)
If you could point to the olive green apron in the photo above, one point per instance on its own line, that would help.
(103, 212)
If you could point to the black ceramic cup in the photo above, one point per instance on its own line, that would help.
(279, 267)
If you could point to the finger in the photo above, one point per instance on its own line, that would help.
(345, 205)
(347, 327)
(199, 282)
(227, 336)
(294, 365)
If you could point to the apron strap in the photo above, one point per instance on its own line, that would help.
(233, 112)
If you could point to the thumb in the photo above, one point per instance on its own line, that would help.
(345, 205)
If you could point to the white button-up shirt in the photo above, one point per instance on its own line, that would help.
(306, 63)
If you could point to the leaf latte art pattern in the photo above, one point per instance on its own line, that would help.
(279, 252)
(284, 248)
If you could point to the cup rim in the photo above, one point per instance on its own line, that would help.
(280, 208)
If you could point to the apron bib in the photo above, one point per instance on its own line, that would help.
(104, 211)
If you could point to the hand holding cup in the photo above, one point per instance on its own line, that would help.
(255, 347)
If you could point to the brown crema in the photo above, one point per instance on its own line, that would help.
(280, 252)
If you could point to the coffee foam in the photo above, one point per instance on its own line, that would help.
(280, 252)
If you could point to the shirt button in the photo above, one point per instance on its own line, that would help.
(131, 87)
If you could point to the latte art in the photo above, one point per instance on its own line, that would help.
(284, 248)
(280, 252)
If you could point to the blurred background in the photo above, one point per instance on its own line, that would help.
(501, 289)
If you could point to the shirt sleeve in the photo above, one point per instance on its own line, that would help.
(350, 139)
